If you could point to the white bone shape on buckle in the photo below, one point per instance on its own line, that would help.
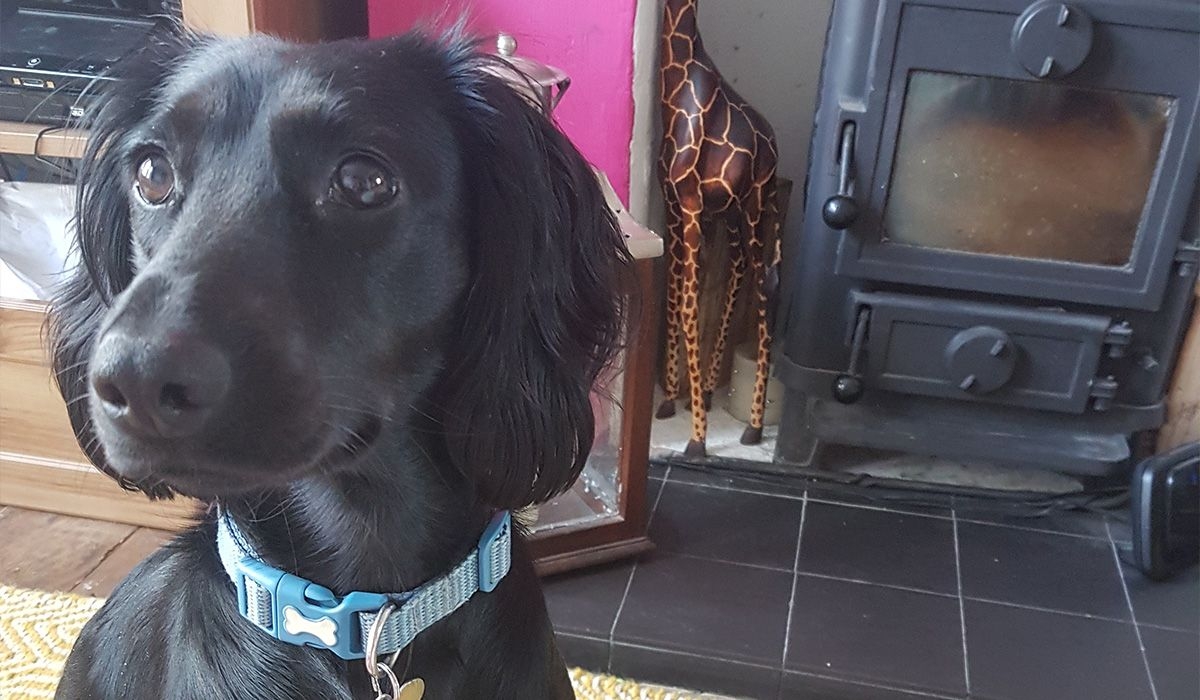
(324, 629)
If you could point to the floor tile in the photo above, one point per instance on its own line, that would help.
(707, 607)
(1174, 659)
(695, 672)
(1087, 524)
(1057, 572)
(654, 489)
(1121, 530)
(879, 547)
(585, 652)
(1020, 654)
(727, 525)
(1174, 603)
(806, 687)
(886, 499)
(585, 602)
(876, 634)
(757, 483)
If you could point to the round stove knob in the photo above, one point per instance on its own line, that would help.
(980, 360)
(1052, 39)
(839, 212)
(847, 388)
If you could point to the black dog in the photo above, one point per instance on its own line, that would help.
(357, 295)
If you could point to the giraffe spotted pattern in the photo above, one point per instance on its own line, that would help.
(717, 167)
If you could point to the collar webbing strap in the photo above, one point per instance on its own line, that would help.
(297, 611)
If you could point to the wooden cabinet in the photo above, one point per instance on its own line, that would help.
(41, 465)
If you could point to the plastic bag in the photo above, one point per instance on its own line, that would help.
(35, 238)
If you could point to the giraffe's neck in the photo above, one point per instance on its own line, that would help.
(681, 18)
(687, 6)
(680, 26)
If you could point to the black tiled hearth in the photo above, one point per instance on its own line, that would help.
(706, 607)
(695, 521)
(764, 591)
(1032, 654)
(877, 546)
(1041, 570)
(877, 634)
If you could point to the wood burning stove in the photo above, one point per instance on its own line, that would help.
(1001, 230)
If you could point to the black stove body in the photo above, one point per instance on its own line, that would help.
(1000, 240)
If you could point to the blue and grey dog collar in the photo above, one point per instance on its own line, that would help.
(298, 611)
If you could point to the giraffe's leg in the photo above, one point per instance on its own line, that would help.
(756, 235)
(674, 294)
(737, 270)
(775, 255)
(690, 318)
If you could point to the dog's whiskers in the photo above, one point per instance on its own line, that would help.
(76, 400)
(63, 370)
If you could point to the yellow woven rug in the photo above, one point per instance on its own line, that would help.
(38, 628)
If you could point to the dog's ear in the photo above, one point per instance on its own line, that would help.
(544, 310)
(102, 230)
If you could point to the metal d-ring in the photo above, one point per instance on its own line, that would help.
(378, 687)
(371, 650)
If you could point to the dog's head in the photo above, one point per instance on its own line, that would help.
(292, 252)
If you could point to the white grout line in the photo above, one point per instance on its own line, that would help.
(1168, 628)
(654, 508)
(1132, 616)
(736, 489)
(1038, 608)
(962, 607)
(885, 509)
(612, 631)
(730, 562)
(787, 633)
(876, 686)
(694, 655)
(909, 589)
(574, 635)
(1010, 526)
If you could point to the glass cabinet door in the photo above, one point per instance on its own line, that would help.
(594, 498)
(603, 515)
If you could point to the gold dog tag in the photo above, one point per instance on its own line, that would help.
(412, 690)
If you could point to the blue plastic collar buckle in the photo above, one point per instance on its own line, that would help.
(299, 612)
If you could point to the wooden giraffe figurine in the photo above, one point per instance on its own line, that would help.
(717, 167)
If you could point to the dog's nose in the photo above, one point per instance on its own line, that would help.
(165, 388)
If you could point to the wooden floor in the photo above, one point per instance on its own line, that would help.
(60, 553)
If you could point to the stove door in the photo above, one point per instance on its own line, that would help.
(1067, 177)
(1034, 358)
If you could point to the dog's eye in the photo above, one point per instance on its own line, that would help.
(155, 178)
(361, 181)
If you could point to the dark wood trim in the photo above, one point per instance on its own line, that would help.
(310, 20)
(593, 556)
(557, 552)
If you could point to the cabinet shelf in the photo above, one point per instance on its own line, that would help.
(18, 138)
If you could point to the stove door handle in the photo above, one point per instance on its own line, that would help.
(848, 387)
(840, 210)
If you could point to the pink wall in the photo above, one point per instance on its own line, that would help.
(592, 40)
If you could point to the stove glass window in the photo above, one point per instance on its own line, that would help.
(1024, 169)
